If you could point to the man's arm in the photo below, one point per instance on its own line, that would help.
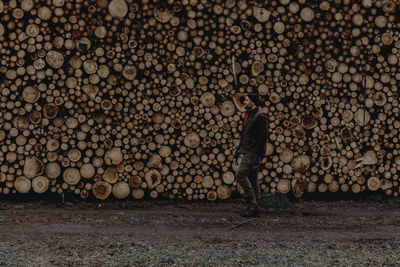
(262, 135)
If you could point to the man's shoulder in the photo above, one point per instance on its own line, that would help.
(262, 115)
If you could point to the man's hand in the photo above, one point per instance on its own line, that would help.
(235, 158)
(255, 159)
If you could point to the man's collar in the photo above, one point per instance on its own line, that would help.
(252, 110)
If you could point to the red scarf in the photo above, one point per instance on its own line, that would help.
(245, 118)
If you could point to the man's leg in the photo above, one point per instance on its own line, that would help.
(242, 176)
(254, 208)
(253, 177)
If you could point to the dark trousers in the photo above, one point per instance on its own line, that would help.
(246, 175)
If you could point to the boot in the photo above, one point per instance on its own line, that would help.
(252, 209)
(252, 212)
(246, 202)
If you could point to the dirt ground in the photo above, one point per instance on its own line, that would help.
(198, 234)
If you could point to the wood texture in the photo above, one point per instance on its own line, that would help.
(137, 99)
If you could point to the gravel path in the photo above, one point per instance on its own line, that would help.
(198, 234)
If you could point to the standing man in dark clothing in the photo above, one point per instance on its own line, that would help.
(252, 147)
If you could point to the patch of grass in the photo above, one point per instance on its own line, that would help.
(381, 198)
(392, 201)
(275, 200)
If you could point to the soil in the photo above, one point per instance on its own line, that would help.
(309, 233)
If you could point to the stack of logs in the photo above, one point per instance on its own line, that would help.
(135, 99)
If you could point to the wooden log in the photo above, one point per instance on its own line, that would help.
(207, 181)
(373, 183)
(33, 167)
(135, 182)
(223, 192)
(286, 155)
(138, 193)
(53, 170)
(113, 156)
(283, 186)
(74, 155)
(31, 94)
(300, 163)
(153, 178)
(298, 187)
(101, 190)
(40, 184)
(87, 171)
(22, 185)
(121, 190)
(71, 176)
(211, 195)
(110, 175)
(228, 178)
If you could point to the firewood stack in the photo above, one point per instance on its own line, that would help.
(134, 99)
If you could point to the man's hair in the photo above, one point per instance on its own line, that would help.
(255, 98)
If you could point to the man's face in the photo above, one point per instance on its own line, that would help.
(248, 104)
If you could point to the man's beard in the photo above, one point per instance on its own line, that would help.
(248, 107)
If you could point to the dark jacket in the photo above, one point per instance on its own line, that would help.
(254, 134)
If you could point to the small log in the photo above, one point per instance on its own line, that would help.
(33, 167)
(223, 192)
(71, 176)
(228, 178)
(22, 185)
(283, 186)
(31, 94)
(101, 190)
(111, 175)
(113, 156)
(138, 193)
(40, 184)
(121, 190)
(212, 195)
(301, 163)
(207, 181)
(286, 155)
(135, 182)
(87, 171)
(74, 155)
(53, 170)
(153, 178)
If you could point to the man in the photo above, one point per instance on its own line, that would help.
(252, 147)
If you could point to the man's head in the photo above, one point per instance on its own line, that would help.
(251, 101)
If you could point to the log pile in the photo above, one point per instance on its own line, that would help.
(135, 99)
